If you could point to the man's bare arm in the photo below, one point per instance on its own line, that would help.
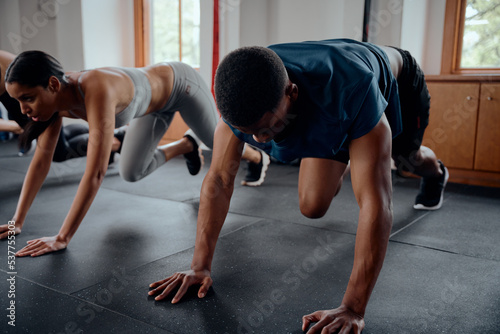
(215, 197)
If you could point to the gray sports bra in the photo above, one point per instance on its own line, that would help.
(140, 102)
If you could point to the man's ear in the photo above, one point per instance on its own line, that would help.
(293, 91)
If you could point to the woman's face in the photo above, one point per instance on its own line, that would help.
(38, 103)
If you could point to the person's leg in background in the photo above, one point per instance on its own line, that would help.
(197, 108)
(407, 150)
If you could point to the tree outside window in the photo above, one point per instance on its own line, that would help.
(481, 35)
(175, 31)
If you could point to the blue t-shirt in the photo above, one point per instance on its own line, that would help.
(344, 87)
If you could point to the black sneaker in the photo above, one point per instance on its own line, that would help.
(256, 173)
(194, 159)
(120, 135)
(431, 192)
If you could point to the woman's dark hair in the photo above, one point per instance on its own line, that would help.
(249, 82)
(32, 69)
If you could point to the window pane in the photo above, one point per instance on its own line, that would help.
(481, 42)
(164, 30)
(165, 41)
(191, 32)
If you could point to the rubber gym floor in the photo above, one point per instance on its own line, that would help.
(271, 265)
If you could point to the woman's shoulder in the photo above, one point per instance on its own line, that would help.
(104, 79)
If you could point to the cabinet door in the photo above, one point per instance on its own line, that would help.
(488, 129)
(451, 132)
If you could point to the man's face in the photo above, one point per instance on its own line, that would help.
(272, 122)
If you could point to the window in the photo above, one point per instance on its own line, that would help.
(471, 37)
(481, 38)
(167, 30)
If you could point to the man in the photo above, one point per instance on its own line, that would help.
(328, 103)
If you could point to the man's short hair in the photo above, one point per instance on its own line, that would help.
(249, 82)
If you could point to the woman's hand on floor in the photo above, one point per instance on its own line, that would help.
(42, 246)
(182, 280)
(4, 230)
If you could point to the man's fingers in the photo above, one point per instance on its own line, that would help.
(159, 289)
(168, 288)
(322, 321)
(158, 283)
(163, 281)
(334, 326)
(186, 283)
(346, 329)
(205, 285)
(308, 318)
(357, 328)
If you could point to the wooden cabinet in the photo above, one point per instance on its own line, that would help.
(487, 155)
(451, 133)
(464, 127)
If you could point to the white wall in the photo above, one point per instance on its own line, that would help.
(206, 36)
(415, 25)
(254, 23)
(69, 35)
(95, 33)
(385, 22)
(108, 33)
(413, 31)
(83, 34)
(53, 28)
(264, 22)
(9, 25)
(433, 45)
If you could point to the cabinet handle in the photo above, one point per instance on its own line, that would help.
(469, 98)
(489, 98)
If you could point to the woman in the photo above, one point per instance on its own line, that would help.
(73, 138)
(107, 98)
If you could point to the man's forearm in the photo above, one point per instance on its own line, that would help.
(372, 237)
(214, 205)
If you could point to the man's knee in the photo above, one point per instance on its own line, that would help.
(313, 206)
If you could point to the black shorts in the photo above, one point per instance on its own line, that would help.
(414, 99)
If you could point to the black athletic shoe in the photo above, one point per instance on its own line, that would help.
(256, 173)
(120, 135)
(431, 192)
(194, 159)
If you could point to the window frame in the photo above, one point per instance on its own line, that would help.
(453, 39)
(142, 32)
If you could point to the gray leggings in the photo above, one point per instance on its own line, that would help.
(192, 98)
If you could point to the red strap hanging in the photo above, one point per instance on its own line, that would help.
(215, 56)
